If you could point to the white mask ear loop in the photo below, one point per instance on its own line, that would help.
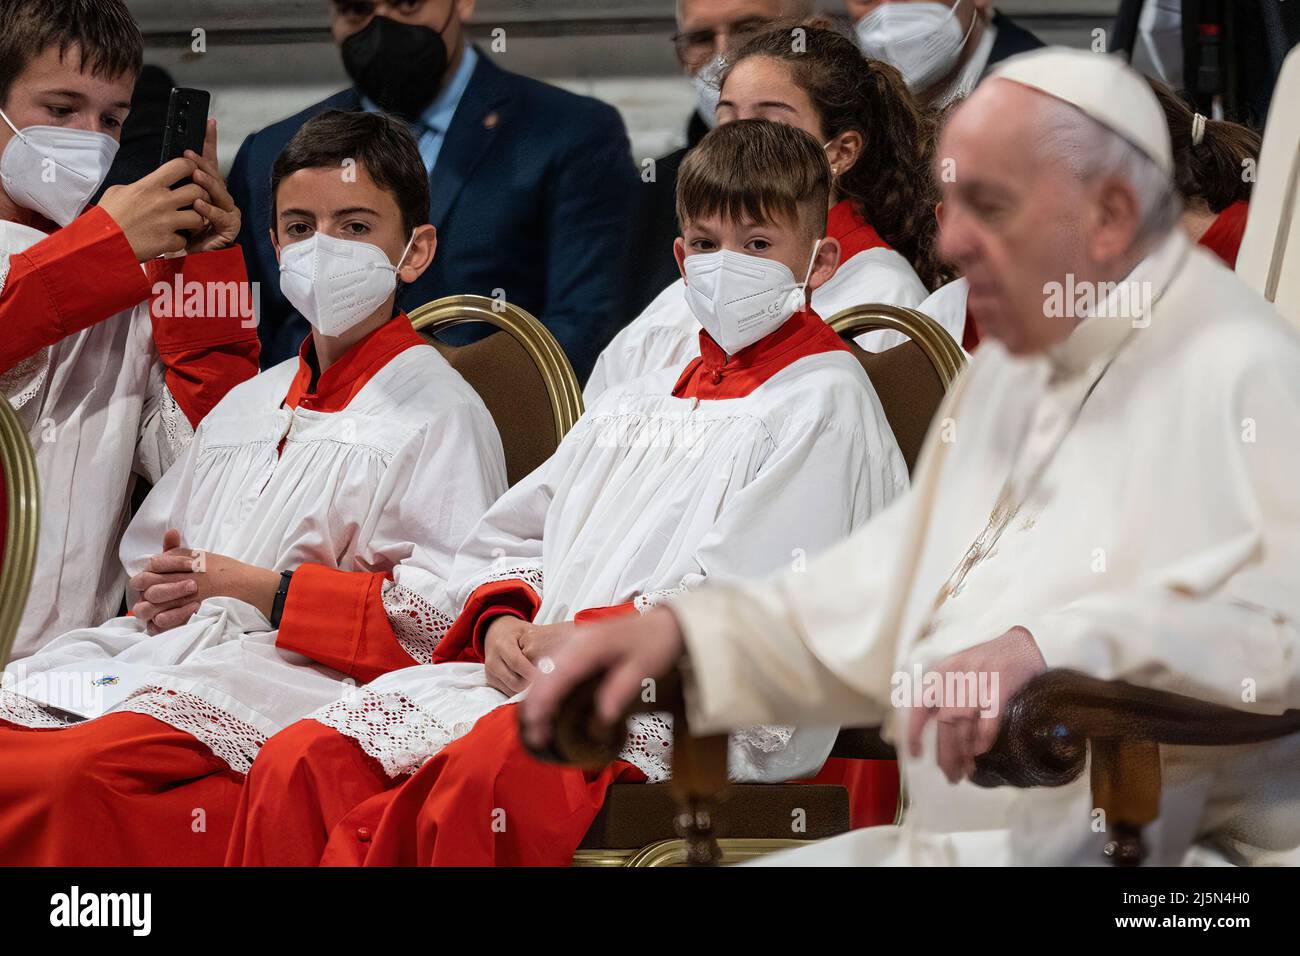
(402, 258)
(812, 262)
(803, 286)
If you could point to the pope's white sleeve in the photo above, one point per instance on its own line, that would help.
(807, 644)
(1218, 649)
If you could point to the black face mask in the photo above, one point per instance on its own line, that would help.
(399, 66)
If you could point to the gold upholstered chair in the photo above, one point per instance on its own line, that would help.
(19, 522)
(519, 371)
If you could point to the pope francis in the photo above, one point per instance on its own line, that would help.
(1111, 486)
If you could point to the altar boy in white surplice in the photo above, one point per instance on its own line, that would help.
(319, 505)
(1111, 487)
(766, 449)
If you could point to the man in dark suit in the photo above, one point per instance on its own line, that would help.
(706, 30)
(530, 186)
(963, 44)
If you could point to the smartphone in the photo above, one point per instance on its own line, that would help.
(187, 125)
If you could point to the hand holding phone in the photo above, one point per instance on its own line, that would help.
(157, 213)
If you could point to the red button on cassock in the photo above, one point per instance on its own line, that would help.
(363, 834)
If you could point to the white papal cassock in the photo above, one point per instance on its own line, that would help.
(1160, 544)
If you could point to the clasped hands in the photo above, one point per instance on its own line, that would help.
(177, 580)
(512, 649)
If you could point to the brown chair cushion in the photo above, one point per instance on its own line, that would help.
(910, 391)
(638, 814)
(514, 392)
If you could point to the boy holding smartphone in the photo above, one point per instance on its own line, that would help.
(108, 378)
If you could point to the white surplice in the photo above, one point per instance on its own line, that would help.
(390, 484)
(98, 411)
(1161, 546)
(648, 496)
(666, 334)
(947, 306)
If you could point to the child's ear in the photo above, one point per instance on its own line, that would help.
(847, 152)
(825, 263)
(275, 242)
(424, 244)
(679, 253)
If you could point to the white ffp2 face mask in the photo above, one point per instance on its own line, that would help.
(54, 171)
(740, 298)
(922, 40)
(336, 283)
(707, 91)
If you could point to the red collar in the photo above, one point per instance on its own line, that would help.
(340, 382)
(714, 375)
(1224, 236)
(846, 226)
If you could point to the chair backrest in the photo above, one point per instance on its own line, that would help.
(519, 371)
(1270, 250)
(19, 522)
(910, 379)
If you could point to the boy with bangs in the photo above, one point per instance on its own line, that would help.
(770, 446)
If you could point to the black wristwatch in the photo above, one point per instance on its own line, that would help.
(281, 595)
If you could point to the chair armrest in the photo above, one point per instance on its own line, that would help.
(1048, 723)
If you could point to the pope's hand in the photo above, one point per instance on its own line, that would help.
(622, 651)
(967, 732)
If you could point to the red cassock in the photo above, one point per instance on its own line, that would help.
(78, 796)
(483, 801)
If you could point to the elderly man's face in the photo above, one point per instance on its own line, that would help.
(1013, 218)
(706, 28)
